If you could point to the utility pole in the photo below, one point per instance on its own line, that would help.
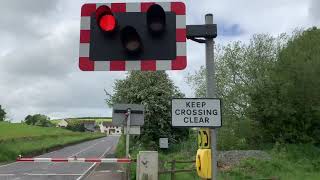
(128, 132)
(211, 92)
(128, 140)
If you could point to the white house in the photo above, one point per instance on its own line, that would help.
(62, 123)
(110, 129)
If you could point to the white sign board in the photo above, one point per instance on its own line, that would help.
(197, 112)
(134, 130)
(164, 143)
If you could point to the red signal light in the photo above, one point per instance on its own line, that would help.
(105, 19)
(107, 23)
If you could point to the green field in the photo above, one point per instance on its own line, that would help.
(16, 139)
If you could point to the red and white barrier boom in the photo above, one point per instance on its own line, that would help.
(92, 160)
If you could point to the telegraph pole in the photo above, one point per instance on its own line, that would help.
(128, 132)
(211, 92)
(128, 141)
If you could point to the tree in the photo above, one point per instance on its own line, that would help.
(38, 120)
(240, 67)
(286, 105)
(75, 125)
(154, 90)
(2, 114)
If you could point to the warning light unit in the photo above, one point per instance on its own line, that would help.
(133, 36)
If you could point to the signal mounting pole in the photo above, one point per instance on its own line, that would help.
(128, 132)
(211, 93)
(128, 140)
(205, 34)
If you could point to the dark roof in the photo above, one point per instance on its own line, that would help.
(108, 124)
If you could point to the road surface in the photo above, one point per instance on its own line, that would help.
(60, 171)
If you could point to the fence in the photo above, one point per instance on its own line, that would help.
(173, 169)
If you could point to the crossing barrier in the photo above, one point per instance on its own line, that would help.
(75, 159)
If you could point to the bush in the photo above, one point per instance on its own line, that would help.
(38, 120)
(2, 114)
(76, 126)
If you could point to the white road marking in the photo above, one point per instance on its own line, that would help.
(47, 154)
(84, 149)
(86, 171)
(105, 152)
(93, 165)
(65, 147)
(8, 164)
(31, 174)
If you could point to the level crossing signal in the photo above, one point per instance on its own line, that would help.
(133, 36)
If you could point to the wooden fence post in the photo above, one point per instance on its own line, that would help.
(173, 168)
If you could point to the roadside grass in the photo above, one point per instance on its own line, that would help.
(288, 162)
(121, 147)
(20, 139)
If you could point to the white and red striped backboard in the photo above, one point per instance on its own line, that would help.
(178, 63)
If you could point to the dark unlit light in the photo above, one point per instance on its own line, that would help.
(156, 19)
(131, 40)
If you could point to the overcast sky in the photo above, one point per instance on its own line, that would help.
(39, 50)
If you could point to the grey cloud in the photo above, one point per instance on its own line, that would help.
(24, 18)
(52, 56)
(28, 7)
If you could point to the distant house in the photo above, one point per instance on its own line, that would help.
(63, 123)
(110, 129)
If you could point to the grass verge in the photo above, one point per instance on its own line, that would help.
(288, 162)
(16, 139)
(121, 147)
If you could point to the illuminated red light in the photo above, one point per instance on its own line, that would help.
(105, 19)
(107, 23)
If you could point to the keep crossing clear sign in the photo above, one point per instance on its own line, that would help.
(196, 112)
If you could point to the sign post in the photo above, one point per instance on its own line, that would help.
(128, 132)
(206, 34)
(211, 93)
(128, 115)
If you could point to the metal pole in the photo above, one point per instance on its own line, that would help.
(128, 133)
(127, 141)
(211, 93)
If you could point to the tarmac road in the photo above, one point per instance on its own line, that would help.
(60, 171)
